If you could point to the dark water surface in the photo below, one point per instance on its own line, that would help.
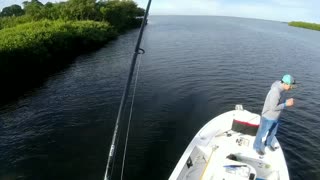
(194, 69)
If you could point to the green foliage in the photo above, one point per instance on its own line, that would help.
(53, 11)
(48, 33)
(14, 10)
(80, 9)
(121, 14)
(33, 9)
(7, 22)
(306, 25)
(33, 44)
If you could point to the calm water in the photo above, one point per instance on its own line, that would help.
(194, 69)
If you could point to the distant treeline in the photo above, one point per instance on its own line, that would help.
(306, 25)
(38, 37)
(120, 14)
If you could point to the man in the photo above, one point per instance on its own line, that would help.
(271, 112)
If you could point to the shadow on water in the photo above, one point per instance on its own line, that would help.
(18, 86)
(23, 81)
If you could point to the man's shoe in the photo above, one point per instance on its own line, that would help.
(261, 153)
(271, 148)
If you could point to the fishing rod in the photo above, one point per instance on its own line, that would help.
(124, 98)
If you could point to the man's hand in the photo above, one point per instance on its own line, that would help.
(289, 102)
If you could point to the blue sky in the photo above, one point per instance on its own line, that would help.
(280, 10)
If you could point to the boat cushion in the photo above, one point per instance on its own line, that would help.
(245, 127)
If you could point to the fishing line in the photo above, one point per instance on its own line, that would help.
(130, 115)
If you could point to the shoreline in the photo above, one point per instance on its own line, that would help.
(40, 39)
(305, 25)
(22, 69)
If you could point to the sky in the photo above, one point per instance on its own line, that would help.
(279, 10)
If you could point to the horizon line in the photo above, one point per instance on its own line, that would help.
(219, 16)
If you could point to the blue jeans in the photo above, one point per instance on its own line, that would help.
(266, 126)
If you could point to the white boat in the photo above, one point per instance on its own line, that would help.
(223, 149)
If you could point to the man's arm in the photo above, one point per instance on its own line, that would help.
(274, 100)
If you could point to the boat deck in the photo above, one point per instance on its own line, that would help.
(217, 152)
(234, 149)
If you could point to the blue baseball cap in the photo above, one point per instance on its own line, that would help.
(288, 79)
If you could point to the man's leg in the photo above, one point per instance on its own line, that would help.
(262, 131)
(272, 132)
